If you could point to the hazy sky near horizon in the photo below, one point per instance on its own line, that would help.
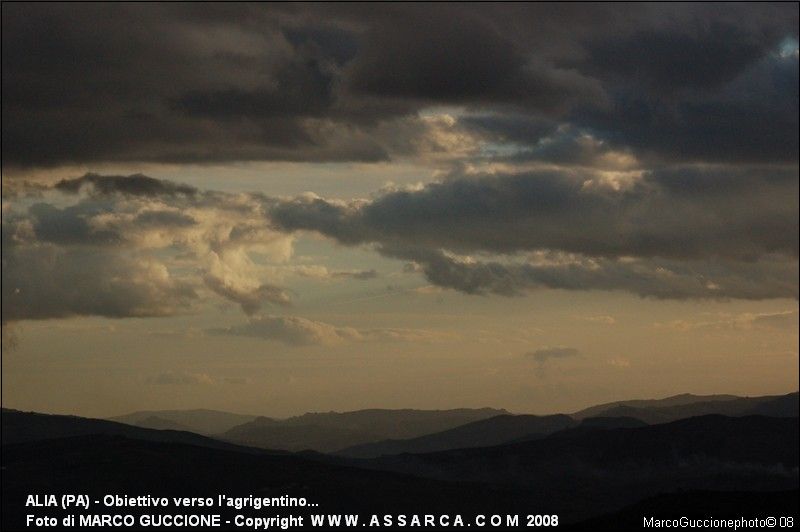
(274, 209)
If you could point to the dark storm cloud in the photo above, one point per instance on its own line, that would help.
(312, 82)
(162, 83)
(753, 118)
(677, 233)
(668, 60)
(670, 214)
(459, 59)
(360, 275)
(650, 148)
(768, 278)
(136, 185)
(710, 233)
(516, 128)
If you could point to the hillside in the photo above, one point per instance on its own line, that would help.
(487, 432)
(331, 431)
(26, 427)
(201, 421)
(662, 412)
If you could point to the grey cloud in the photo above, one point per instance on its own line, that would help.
(745, 321)
(155, 218)
(294, 331)
(144, 84)
(676, 232)
(767, 278)
(136, 185)
(46, 281)
(669, 59)
(250, 300)
(514, 128)
(169, 378)
(298, 331)
(573, 212)
(431, 66)
(321, 272)
(753, 118)
(360, 275)
(709, 232)
(779, 320)
(70, 225)
(543, 354)
(123, 250)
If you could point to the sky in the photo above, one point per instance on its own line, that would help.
(274, 209)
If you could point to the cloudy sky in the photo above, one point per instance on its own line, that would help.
(275, 209)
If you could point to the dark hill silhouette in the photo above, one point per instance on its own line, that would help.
(201, 421)
(698, 505)
(779, 406)
(159, 423)
(609, 466)
(23, 427)
(611, 423)
(374, 432)
(589, 424)
(487, 432)
(331, 431)
(99, 465)
(578, 473)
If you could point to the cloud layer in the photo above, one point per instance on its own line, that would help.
(137, 246)
(651, 150)
(297, 331)
(187, 83)
(676, 233)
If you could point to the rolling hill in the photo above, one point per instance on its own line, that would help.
(201, 421)
(700, 452)
(26, 427)
(686, 406)
(331, 431)
(483, 433)
(579, 473)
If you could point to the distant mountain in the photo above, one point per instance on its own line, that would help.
(331, 431)
(201, 421)
(621, 414)
(681, 407)
(269, 434)
(778, 406)
(675, 400)
(159, 423)
(483, 433)
(25, 427)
